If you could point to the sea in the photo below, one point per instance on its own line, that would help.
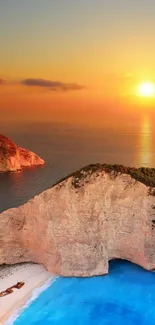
(68, 147)
(126, 296)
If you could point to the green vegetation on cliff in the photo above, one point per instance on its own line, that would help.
(143, 175)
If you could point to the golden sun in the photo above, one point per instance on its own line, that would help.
(146, 89)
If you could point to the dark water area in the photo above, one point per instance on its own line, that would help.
(126, 296)
(67, 148)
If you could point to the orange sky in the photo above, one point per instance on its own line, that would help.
(91, 44)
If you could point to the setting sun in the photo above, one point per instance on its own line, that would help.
(146, 89)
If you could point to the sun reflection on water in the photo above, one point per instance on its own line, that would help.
(145, 143)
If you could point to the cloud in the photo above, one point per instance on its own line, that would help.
(2, 81)
(52, 85)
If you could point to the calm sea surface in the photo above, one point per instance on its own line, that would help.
(66, 148)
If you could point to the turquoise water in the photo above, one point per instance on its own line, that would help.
(124, 297)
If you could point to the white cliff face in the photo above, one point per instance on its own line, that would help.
(13, 158)
(76, 227)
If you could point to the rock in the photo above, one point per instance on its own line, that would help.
(13, 158)
(80, 224)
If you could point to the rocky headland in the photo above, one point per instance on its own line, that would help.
(13, 158)
(75, 228)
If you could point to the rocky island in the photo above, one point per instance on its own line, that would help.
(75, 228)
(13, 158)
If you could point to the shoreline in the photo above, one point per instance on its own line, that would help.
(36, 279)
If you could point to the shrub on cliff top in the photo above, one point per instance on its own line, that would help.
(142, 174)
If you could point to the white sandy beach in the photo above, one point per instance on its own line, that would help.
(34, 277)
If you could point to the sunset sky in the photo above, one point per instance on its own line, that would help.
(59, 58)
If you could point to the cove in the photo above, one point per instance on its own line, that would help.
(126, 296)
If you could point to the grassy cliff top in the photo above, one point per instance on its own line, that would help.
(143, 175)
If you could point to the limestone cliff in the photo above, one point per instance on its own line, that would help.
(13, 158)
(87, 219)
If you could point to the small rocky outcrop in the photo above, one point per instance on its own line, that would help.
(13, 158)
(97, 214)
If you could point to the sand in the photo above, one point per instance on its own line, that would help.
(33, 275)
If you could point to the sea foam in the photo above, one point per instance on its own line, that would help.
(35, 294)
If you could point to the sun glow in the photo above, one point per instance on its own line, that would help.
(146, 89)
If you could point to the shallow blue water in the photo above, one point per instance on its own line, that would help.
(124, 297)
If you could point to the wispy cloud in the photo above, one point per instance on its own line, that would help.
(52, 85)
(2, 81)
